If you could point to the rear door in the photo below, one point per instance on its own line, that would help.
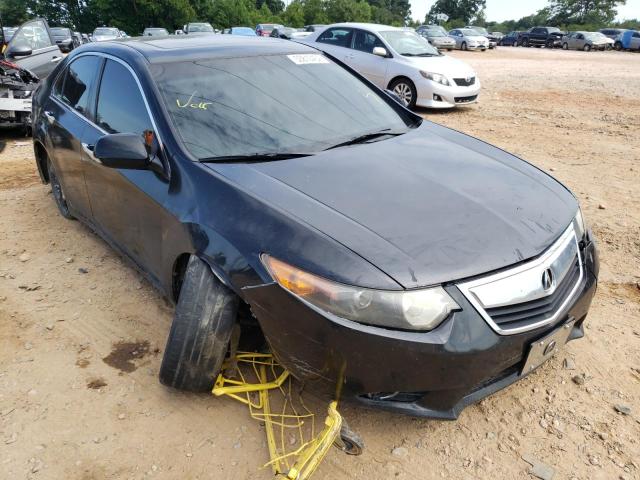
(45, 54)
(635, 41)
(337, 42)
(68, 112)
(373, 67)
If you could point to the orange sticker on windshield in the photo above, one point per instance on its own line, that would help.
(307, 58)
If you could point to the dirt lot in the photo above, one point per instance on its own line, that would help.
(81, 334)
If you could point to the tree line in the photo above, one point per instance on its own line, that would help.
(133, 16)
(568, 15)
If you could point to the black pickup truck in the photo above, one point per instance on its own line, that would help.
(550, 37)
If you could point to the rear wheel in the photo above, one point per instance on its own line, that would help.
(525, 42)
(58, 191)
(200, 332)
(404, 88)
(618, 46)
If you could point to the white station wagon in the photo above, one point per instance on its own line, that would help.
(401, 61)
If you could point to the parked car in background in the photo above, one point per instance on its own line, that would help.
(33, 47)
(628, 40)
(510, 39)
(155, 32)
(30, 55)
(493, 41)
(550, 37)
(85, 38)
(498, 35)
(63, 38)
(197, 27)
(280, 31)
(404, 264)
(178, 32)
(314, 28)
(401, 61)
(103, 34)
(586, 41)
(612, 33)
(609, 43)
(77, 39)
(265, 29)
(243, 31)
(468, 39)
(437, 36)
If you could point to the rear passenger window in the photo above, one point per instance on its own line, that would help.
(75, 85)
(121, 108)
(339, 37)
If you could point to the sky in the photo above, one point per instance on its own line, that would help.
(500, 10)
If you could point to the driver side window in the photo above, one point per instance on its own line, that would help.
(366, 41)
(33, 35)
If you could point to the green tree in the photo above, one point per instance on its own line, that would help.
(14, 12)
(584, 11)
(314, 12)
(464, 10)
(294, 14)
(348, 11)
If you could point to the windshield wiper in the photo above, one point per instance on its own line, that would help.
(365, 138)
(256, 157)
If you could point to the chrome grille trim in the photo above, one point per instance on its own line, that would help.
(518, 285)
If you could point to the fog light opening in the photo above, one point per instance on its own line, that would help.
(437, 98)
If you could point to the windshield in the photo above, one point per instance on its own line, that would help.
(467, 32)
(200, 27)
(593, 36)
(243, 31)
(156, 31)
(105, 31)
(480, 30)
(57, 31)
(409, 44)
(435, 32)
(553, 29)
(221, 109)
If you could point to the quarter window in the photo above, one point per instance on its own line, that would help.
(339, 37)
(75, 85)
(121, 108)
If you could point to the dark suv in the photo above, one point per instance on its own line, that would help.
(550, 37)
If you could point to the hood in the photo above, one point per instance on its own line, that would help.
(101, 38)
(427, 207)
(476, 38)
(444, 65)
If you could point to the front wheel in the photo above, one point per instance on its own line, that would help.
(565, 46)
(587, 48)
(464, 46)
(618, 46)
(525, 42)
(405, 89)
(200, 332)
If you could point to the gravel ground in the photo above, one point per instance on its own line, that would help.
(81, 333)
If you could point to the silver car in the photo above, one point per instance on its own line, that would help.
(437, 36)
(401, 61)
(585, 41)
(102, 34)
(468, 39)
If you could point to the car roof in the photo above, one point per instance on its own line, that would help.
(374, 27)
(191, 47)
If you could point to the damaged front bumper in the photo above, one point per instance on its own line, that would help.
(434, 374)
(17, 86)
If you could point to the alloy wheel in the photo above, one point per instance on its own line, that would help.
(404, 92)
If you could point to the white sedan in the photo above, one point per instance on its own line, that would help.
(401, 61)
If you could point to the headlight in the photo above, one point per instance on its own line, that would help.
(421, 310)
(579, 225)
(436, 77)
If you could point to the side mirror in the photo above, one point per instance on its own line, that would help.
(122, 150)
(19, 51)
(380, 52)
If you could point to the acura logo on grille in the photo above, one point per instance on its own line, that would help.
(547, 279)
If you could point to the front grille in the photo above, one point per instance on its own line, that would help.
(466, 99)
(535, 311)
(463, 82)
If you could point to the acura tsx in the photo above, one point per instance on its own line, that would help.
(414, 267)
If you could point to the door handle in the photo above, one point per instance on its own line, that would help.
(56, 59)
(49, 116)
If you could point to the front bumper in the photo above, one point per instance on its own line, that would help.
(435, 95)
(434, 374)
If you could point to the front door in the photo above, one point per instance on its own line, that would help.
(45, 54)
(373, 67)
(127, 204)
